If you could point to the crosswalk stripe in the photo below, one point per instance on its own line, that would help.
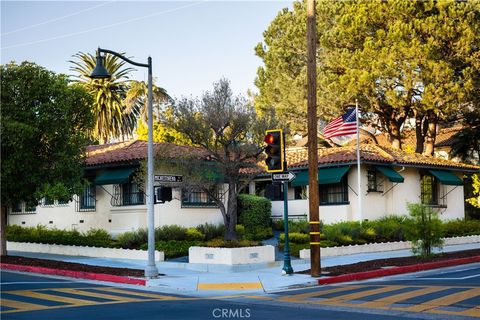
(304, 296)
(21, 305)
(51, 297)
(96, 295)
(365, 293)
(379, 303)
(141, 294)
(443, 301)
(472, 312)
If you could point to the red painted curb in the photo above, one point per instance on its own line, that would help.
(397, 270)
(74, 274)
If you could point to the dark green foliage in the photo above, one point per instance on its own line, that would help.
(173, 248)
(254, 211)
(171, 232)
(211, 231)
(132, 239)
(44, 130)
(296, 237)
(388, 229)
(222, 243)
(40, 234)
(424, 230)
(456, 228)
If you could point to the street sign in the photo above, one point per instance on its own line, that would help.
(285, 176)
(168, 178)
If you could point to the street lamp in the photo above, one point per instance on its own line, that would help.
(99, 72)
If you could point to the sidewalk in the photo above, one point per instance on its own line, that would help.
(182, 278)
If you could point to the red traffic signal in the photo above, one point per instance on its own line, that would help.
(274, 150)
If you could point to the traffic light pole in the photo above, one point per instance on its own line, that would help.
(287, 263)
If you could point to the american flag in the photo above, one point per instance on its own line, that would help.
(342, 126)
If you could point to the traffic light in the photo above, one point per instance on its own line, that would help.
(274, 150)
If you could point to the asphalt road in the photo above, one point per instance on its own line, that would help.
(451, 293)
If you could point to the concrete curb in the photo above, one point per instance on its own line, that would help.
(74, 274)
(397, 270)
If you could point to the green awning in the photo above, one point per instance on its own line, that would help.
(325, 176)
(446, 177)
(116, 176)
(391, 174)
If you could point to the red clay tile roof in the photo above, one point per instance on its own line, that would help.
(297, 157)
(130, 151)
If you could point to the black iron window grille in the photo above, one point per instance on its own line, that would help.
(431, 192)
(23, 208)
(86, 200)
(127, 194)
(335, 193)
(198, 198)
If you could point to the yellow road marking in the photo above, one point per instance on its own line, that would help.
(380, 303)
(51, 297)
(97, 295)
(141, 294)
(443, 301)
(472, 312)
(366, 293)
(304, 296)
(24, 306)
(230, 286)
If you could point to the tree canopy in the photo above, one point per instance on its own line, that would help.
(45, 127)
(229, 135)
(399, 58)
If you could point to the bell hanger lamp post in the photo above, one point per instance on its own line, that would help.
(99, 72)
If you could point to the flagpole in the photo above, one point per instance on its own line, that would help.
(359, 175)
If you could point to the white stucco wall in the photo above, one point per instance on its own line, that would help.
(119, 219)
(375, 205)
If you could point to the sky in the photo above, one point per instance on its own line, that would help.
(192, 43)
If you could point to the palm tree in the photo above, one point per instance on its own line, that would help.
(113, 119)
(136, 98)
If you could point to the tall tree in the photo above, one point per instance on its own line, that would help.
(229, 135)
(44, 128)
(399, 58)
(113, 119)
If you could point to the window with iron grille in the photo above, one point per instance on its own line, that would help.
(23, 208)
(372, 180)
(87, 199)
(48, 202)
(127, 194)
(198, 198)
(300, 192)
(335, 193)
(432, 193)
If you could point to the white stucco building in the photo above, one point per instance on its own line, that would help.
(390, 179)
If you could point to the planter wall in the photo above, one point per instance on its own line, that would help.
(83, 251)
(231, 256)
(381, 247)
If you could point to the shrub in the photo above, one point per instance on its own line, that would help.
(390, 228)
(211, 231)
(296, 237)
(258, 233)
(133, 239)
(170, 232)
(40, 234)
(456, 228)
(240, 229)
(425, 229)
(173, 248)
(254, 211)
(222, 243)
(193, 234)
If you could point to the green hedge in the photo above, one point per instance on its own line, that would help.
(254, 211)
(40, 234)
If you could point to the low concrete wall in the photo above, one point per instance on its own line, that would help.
(381, 247)
(231, 256)
(83, 251)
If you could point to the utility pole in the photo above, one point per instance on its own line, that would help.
(315, 268)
